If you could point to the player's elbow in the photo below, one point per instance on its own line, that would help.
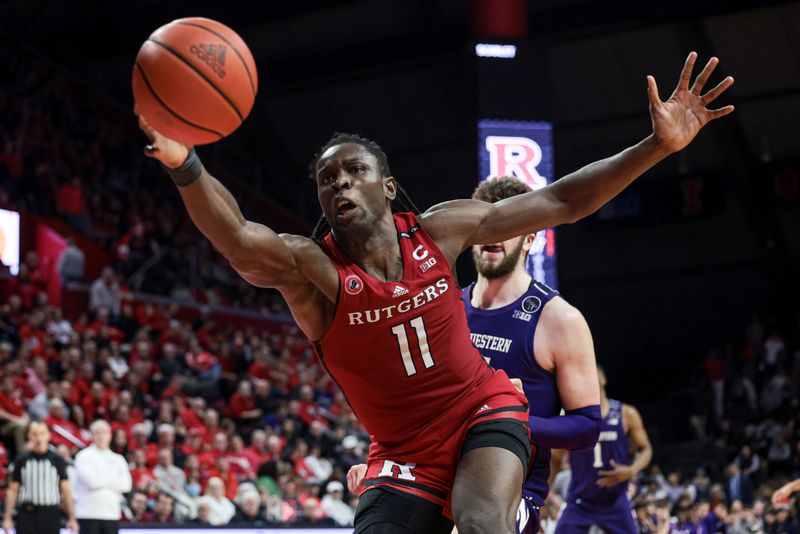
(592, 433)
(587, 429)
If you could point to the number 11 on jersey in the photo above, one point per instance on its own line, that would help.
(399, 332)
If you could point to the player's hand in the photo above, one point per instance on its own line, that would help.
(615, 475)
(72, 525)
(781, 495)
(355, 478)
(8, 525)
(170, 153)
(678, 120)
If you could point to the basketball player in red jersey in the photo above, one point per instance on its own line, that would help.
(377, 297)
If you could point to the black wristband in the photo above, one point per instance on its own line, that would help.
(188, 172)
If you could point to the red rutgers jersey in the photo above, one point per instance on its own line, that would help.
(401, 351)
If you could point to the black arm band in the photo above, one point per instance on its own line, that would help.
(188, 172)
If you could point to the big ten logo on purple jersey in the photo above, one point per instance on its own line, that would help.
(524, 150)
(397, 470)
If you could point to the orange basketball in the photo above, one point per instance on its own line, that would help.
(194, 80)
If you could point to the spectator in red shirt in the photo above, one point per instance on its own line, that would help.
(240, 463)
(64, 431)
(122, 421)
(309, 409)
(257, 452)
(13, 419)
(37, 274)
(223, 472)
(141, 474)
(242, 406)
(210, 425)
(139, 442)
(71, 205)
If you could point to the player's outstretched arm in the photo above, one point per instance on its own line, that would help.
(676, 122)
(254, 250)
(563, 344)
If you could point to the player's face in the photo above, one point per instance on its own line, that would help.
(350, 187)
(497, 260)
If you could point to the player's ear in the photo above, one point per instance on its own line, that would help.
(390, 187)
(527, 243)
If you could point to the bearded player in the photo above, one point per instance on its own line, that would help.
(597, 494)
(526, 329)
(377, 298)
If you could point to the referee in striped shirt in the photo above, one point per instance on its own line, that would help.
(39, 482)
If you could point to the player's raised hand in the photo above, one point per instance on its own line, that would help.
(678, 120)
(170, 153)
(618, 473)
(355, 478)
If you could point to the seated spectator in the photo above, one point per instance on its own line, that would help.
(163, 510)
(334, 507)
(739, 487)
(167, 475)
(250, 511)
(64, 431)
(203, 517)
(221, 509)
(141, 474)
(312, 515)
(13, 418)
(320, 467)
(137, 507)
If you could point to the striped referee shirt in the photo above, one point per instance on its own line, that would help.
(39, 476)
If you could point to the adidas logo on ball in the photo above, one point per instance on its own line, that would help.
(213, 55)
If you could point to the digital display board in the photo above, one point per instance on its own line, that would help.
(9, 240)
(523, 149)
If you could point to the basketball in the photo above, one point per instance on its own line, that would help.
(194, 80)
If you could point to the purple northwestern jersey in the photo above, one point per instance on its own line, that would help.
(612, 444)
(504, 336)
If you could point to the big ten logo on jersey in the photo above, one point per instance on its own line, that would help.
(419, 254)
(515, 156)
(397, 470)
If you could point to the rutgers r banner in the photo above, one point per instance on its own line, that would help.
(523, 149)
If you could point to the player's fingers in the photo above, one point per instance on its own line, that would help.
(686, 73)
(702, 78)
(612, 462)
(517, 384)
(721, 87)
(652, 92)
(721, 112)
